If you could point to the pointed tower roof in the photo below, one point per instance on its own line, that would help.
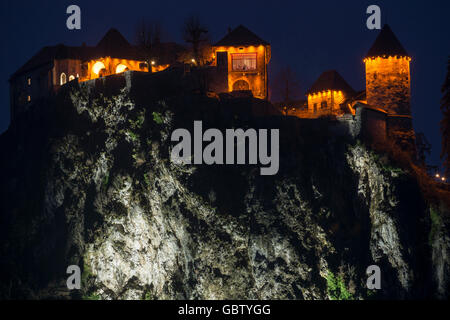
(386, 44)
(114, 45)
(113, 39)
(331, 80)
(241, 36)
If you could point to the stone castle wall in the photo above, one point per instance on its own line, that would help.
(388, 84)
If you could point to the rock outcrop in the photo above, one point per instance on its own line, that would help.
(86, 179)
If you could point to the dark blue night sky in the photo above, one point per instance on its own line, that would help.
(309, 36)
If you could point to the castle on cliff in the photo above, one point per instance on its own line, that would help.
(382, 111)
(237, 65)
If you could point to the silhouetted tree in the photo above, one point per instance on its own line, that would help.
(286, 86)
(445, 122)
(423, 148)
(195, 33)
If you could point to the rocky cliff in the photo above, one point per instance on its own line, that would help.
(86, 179)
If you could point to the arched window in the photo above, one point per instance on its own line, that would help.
(241, 85)
(71, 77)
(121, 68)
(63, 79)
(97, 67)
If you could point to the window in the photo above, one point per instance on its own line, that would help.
(97, 67)
(29, 81)
(121, 68)
(71, 77)
(244, 61)
(323, 105)
(315, 107)
(241, 85)
(29, 98)
(63, 79)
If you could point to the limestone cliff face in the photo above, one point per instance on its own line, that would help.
(88, 180)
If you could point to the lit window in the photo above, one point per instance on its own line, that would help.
(29, 81)
(244, 61)
(71, 77)
(97, 67)
(29, 98)
(121, 68)
(63, 79)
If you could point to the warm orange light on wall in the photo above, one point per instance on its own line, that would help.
(160, 68)
(386, 57)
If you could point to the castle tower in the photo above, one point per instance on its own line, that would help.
(388, 82)
(388, 87)
(244, 57)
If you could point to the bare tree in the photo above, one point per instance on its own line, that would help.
(148, 36)
(195, 33)
(286, 86)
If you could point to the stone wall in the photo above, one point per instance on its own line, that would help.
(71, 67)
(29, 87)
(368, 124)
(373, 125)
(257, 79)
(400, 129)
(388, 84)
(332, 98)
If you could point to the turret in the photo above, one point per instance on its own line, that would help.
(388, 83)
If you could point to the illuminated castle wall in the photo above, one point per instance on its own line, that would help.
(105, 66)
(54, 66)
(327, 95)
(388, 84)
(244, 57)
(325, 100)
(383, 109)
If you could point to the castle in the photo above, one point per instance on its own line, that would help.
(243, 57)
(382, 111)
(54, 66)
(238, 63)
